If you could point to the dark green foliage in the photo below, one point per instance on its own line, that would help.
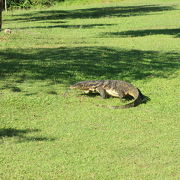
(19, 3)
(29, 3)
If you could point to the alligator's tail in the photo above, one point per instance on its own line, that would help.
(138, 98)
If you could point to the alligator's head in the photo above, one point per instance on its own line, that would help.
(85, 85)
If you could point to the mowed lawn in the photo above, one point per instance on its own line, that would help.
(48, 131)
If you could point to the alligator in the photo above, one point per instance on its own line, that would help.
(114, 88)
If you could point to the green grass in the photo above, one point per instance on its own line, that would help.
(50, 132)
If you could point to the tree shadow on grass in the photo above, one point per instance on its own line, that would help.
(117, 11)
(77, 26)
(11, 87)
(147, 32)
(68, 65)
(20, 134)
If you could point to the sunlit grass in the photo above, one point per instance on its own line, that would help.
(50, 132)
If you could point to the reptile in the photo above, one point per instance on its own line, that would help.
(114, 88)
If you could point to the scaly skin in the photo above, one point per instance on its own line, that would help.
(115, 88)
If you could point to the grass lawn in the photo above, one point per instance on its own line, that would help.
(50, 132)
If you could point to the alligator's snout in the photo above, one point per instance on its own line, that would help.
(71, 87)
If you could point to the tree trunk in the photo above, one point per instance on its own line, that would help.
(5, 5)
(1, 9)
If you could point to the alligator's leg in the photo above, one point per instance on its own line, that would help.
(102, 92)
(121, 96)
(87, 92)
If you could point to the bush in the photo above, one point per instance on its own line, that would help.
(19, 3)
(30, 3)
(43, 2)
